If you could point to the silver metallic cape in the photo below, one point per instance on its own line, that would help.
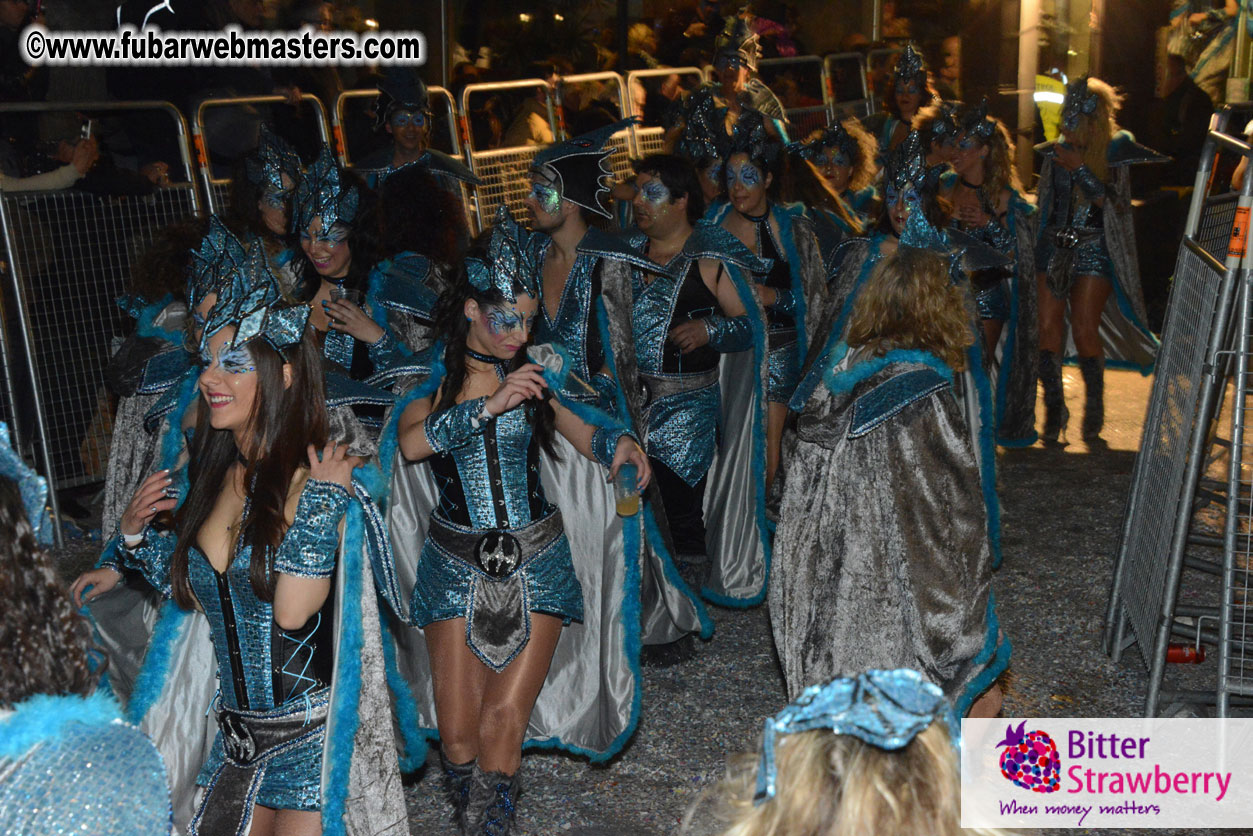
(589, 704)
(1124, 331)
(177, 694)
(1019, 350)
(882, 556)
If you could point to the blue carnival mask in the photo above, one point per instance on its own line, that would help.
(885, 709)
(334, 235)
(748, 175)
(402, 118)
(655, 192)
(548, 197)
(231, 359)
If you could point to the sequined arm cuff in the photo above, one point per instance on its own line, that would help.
(310, 544)
(386, 351)
(605, 443)
(1092, 186)
(607, 393)
(784, 301)
(729, 333)
(452, 427)
(151, 558)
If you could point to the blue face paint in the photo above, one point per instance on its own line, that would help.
(714, 172)
(892, 195)
(501, 321)
(967, 142)
(402, 118)
(655, 192)
(336, 235)
(548, 198)
(748, 175)
(834, 157)
(236, 360)
(276, 198)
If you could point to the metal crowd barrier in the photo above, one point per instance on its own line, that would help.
(1206, 347)
(217, 187)
(503, 171)
(847, 86)
(622, 142)
(809, 74)
(650, 139)
(879, 60)
(69, 256)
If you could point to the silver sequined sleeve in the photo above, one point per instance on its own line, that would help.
(151, 558)
(309, 546)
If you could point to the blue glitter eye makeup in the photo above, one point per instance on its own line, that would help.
(714, 172)
(835, 158)
(748, 175)
(548, 198)
(890, 194)
(655, 192)
(966, 143)
(500, 321)
(276, 198)
(404, 117)
(237, 360)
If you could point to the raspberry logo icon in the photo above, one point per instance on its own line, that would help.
(1030, 759)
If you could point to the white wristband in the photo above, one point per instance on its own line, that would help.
(130, 541)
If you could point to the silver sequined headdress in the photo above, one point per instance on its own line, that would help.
(976, 122)
(510, 261)
(324, 193)
(704, 137)
(906, 165)
(886, 709)
(251, 301)
(909, 66)
(216, 259)
(579, 166)
(749, 136)
(739, 40)
(833, 136)
(1079, 101)
(272, 159)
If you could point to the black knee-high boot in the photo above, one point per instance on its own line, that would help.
(1055, 412)
(457, 780)
(1093, 369)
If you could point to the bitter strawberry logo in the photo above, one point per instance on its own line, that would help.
(1030, 759)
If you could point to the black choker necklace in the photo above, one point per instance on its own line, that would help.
(969, 185)
(757, 218)
(484, 358)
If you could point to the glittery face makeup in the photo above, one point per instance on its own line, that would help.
(832, 157)
(714, 172)
(502, 322)
(746, 174)
(546, 197)
(502, 329)
(655, 192)
(228, 381)
(276, 198)
(327, 249)
(900, 204)
(236, 360)
(404, 118)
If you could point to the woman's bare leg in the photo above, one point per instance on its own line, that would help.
(510, 695)
(776, 413)
(459, 679)
(262, 821)
(297, 823)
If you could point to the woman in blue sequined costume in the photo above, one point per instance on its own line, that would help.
(784, 235)
(495, 582)
(68, 764)
(1086, 255)
(908, 92)
(844, 155)
(988, 204)
(255, 546)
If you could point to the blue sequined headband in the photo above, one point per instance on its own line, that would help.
(323, 193)
(251, 301)
(510, 260)
(32, 486)
(909, 66)
(1080, 101)
(886, 709)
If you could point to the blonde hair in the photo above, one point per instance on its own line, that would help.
(909, 301)
(999, 170)
(1096, 131)
(836, 785)
(800, 180)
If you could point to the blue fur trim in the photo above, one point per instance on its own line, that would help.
(155, 670)
(43, 718)
(658, 543)
(372, 291)
(415, 738)
(845, 381)
(994, 656)
(146, 326)
(987, 447)
(173, 442)
(344, 716)
(1019, 443)
(389, 440)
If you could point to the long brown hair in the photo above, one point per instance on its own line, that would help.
(910, 302)
(284, 422)
(801, 181)
(44, 643)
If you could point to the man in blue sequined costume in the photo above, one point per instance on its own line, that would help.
(699, 346)
(585, 277)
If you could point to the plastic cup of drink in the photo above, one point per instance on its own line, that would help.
(626, 492)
